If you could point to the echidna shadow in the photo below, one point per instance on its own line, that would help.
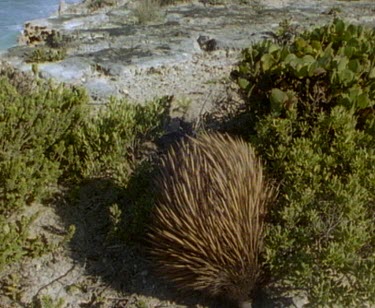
(207, 227)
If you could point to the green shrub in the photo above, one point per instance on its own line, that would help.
(30, 126)
(46, 54)
(99, 4)
(49, 136)
(114, 144)
(46, 301)
(15, 241)
(140, 195)
(309, 108)
(23, 83)
(110, 142)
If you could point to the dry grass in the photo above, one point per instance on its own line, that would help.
(148, 11)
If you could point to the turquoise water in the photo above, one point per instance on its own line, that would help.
(13, 14)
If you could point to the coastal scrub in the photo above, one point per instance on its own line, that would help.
(309, 108)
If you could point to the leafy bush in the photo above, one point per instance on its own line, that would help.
(99, 4)
(140, 195)
(46, 301)
(110, 142)
(15, 241)
(115, 144)
(49, 136)
(309, 108)
(30, 126)
(24, 83)
(46, 54)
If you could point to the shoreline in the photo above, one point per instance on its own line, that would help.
(188, 53)
(14, 31)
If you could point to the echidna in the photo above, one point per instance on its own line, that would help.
(208, 225)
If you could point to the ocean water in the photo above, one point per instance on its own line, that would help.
(13, 14)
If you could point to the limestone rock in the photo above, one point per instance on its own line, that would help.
(34, 34)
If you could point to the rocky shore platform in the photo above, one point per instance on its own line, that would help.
(188, 51)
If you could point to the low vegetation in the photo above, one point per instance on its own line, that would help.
(147, 11)
(309, 108)
(46, 54)
(49, 138)
(99, 4)
(54, 49)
